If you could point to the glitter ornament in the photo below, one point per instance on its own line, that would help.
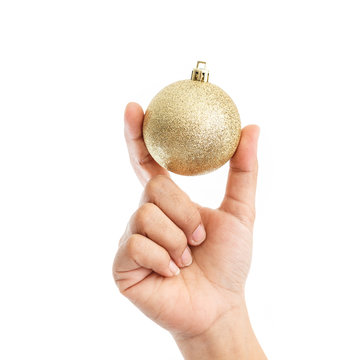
(192, 127)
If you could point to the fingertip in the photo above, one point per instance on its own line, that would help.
(245, 157)
(198, 236)
(132, 109)
(133, 118)
(250, 132)
(174, 269)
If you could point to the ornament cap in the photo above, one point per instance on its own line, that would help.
(200, 73)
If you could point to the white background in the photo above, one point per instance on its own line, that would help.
(67, 70)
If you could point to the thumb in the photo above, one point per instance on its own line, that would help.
(240, 192)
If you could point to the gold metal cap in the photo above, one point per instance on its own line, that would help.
(200, 73)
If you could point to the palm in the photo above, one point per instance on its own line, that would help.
(189, 303)
(192, 301)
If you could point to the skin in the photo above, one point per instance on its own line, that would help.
(200, 297)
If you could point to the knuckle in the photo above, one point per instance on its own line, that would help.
(155, 184)
(177, 198)
(118, 275)
(191, 217)
(119, 280)
(134, 246)
(248, 215)
(178, 243)
(143, 214)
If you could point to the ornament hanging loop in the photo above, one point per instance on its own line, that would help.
(200, 73)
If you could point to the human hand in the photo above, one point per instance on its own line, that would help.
(184, 265)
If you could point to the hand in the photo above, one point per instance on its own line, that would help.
(184, 265)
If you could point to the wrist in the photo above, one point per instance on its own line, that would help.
(229, 337)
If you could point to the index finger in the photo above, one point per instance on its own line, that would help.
(142, 162)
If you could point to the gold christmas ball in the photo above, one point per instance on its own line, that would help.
(192, 127)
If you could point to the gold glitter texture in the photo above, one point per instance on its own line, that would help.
(191, 127)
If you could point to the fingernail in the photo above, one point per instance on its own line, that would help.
(199, 234)
(173, 268)
(186, 257)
